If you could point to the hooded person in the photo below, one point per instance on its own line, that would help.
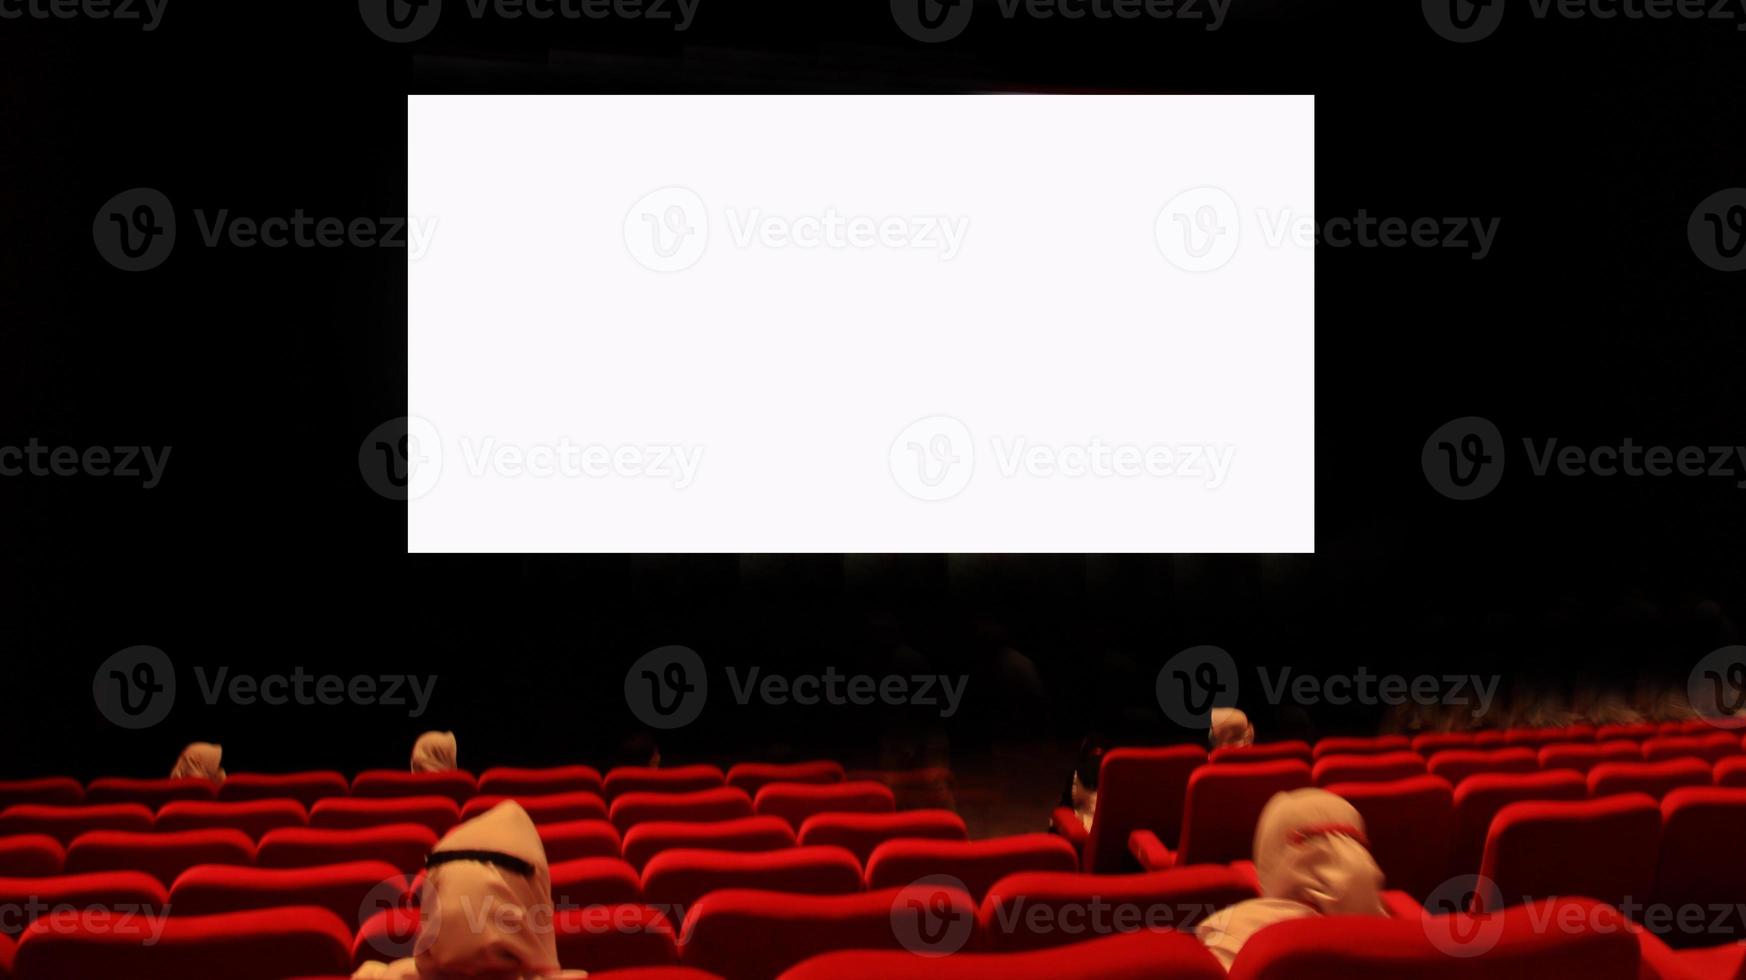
(485, 908)
(434, 752)
(200, 760)
(1230, 727)
(1311, 859)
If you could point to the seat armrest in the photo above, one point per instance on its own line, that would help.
(1146, 848)
(1065, 821)
(1400, 905)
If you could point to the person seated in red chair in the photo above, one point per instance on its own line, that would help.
(1081, 793)
(200, 760)
(486, 906)
(434, 752)
(1311, 859)
(1230, 727)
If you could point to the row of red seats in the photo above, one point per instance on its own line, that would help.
(1707, 742)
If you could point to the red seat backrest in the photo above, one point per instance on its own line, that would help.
(614, 937)
(1638, 731)
(1037, 910)
(62, 895)
(595, 881)
(754, 776)
(1517, 945)
(1479, 798)
(743, 934)
(1703, 848)
(1457, 764)
(794, 802)
(513, 782)
(388, 935)
(1382, 767)
(1263, 752)
(153, 793)
(51, 790)
(1602, 849)
(1534, 738)
(271, 944)
(546, 808)
(1656, 779)
(164, 856)
(646, 840)
(1151, 955)
(976, 864)
(720, 803)
(1581, 758)
(304, 787)
(1433, 742)
(350, 891)
(647, 779)
(1409, 824)
(375, 784)
(1223, 804)
(860, 833)
(64, 823)
(1711, 748)
(1366, 745)
(1138, 789)
(402, 845)
(1730, 772)
(252, 817)
(574, 839)
(439, 813)
(30, 855)
(672, 880)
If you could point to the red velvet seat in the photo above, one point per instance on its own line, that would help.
(64, 823)
(1517, 945)
(1264, 752)
(404, 846)
(513, 782)
(304, 787)
(163, 856)
(1657, 779)
(755, 935)
(1457, 764)
(595, 881)
(860, 833)
(1138, 789)
(647, 779)
(347, 890)
(1581, 757)
(700, 806)
(654, 973)
(121, 892)
(49, 790)
(1131, 956)
(646, 840)
(389, 934)
(1479, 798)
(1710, 748)
(439, 813)
(1702, 861)
(614, 937)
(1385, 767)
(551, 808)
(1636, 732)
(1730, 772)
(1222, 807)
(1367, 745)
(253, 817)
(976, 864)
(795, 802)
(754, 776)
(377, 784)
(1037, 910)
(1602, 849)
(579, 839)
(1431, 743)
(675, 879)
(1490, 738)
(1410, 824)
(152, 793)
(263, 945)
(1536, 738)
(31, 855)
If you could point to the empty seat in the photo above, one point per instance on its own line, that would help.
(675, 879)
(1702, 861)
(1434, 742)
(61, 895)
(1222, 807)
(390, 934)
(376, 784)
(346, 890)
(1138, 789)
(646, 840)
(152, 793)
(614, 937)
(64, 823)
(304, 787)
(1657, 779)
(550, 808)
(1591, 942)
(754, 776)
(648, 779)
(273, 944)
(29, 855)
(975, 864)
(1602, 849)
(253, 817)
(513, 782)
(1409, 824)
(595, 881)
(1730, 772)
(1581, 757)
(163, 856)
(1151, 955)
(1637, 732)
(1370, 745)
(860, 833)
(404, 846)
(1383, 767)
(579, 839)
(50, 790)
(720, 803)
(1036, 910)
(1457, 764)
(1264, 752)
(1490, 738)
(439, 813)
(1479, 798)
(755, 935)
(1710, 748)
(795, 802)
